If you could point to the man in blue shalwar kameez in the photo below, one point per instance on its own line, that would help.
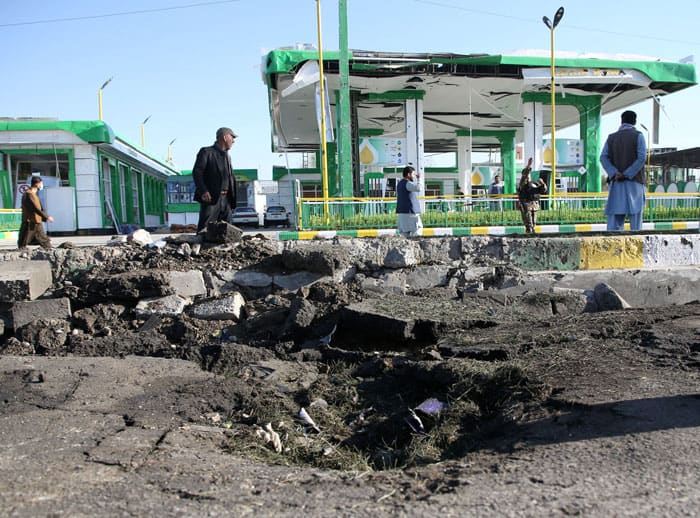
(623, 160)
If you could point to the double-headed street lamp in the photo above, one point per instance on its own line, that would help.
(99, 95)
(552, 25)
(143, 132)
(170, 156)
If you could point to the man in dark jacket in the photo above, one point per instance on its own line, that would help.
(215, 185)
(31, 230)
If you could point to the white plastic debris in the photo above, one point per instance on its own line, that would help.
(306, 418)
(326, 340)
(140, 236)
(269, 435)
(414, 422)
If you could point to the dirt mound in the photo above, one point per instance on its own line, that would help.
(353, 370)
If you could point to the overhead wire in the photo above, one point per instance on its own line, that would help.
(530, 20)
(121, 13)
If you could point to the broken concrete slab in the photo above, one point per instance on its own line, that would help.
(402, 256)
(170, 305)
(24, 312)
(296, 280)
(229, 307)
(424, 277)
(402, 321)
(187, 284)
(24, 280)
(247, 278)
(646, 287)
(393, 281)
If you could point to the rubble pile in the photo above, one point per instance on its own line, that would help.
(352, 354)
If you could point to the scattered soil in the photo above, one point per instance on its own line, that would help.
(479, 373)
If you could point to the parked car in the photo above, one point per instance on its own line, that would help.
(277, 215)
(242, 216)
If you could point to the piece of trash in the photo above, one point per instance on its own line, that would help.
(414, 422)
(268, 435)
(326, 340)
(304, 416)
(492, 311)
(214, 417)
(431, 406)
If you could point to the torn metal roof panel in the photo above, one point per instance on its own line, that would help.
(473, 92)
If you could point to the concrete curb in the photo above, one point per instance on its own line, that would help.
(482, 231)
(565, 253)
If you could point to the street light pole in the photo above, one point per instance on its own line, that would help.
(170, 157)
(324, 148)
(552, 25)
(99, 95)
(143, 132)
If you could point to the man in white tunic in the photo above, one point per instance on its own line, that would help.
(623, 158)
(407, 205)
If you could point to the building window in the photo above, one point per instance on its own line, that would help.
(433, 188)
(52, 167)
(107, 187)
(311, 190)
(135, 195)
(123, 172)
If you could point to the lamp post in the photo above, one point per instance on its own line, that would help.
(143, 132)
(324, 149)
(551, 25)
(170, 157)
(99, 95)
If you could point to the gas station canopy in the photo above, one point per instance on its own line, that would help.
(474, 94)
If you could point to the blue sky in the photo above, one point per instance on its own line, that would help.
(194, 65)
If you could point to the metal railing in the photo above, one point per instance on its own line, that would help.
(471, 211)
(10, 220)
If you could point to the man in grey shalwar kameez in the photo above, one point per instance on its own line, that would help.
(623, 158)
(407, 206)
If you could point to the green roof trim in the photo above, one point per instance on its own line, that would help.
(89, 131)
(393, 95)
(246, 175)
(370, 132)
(284, 61)
(663, 71)
(281, 171)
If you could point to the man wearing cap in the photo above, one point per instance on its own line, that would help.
(623, 158)
(31, 230)
(215, 185)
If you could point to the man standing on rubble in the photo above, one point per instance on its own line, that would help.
(407, 205)
(623, 158)
(215, 184)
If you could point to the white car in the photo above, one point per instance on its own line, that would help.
(277, 215)
(242, 216)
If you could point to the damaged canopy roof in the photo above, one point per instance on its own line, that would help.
(477, 93)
